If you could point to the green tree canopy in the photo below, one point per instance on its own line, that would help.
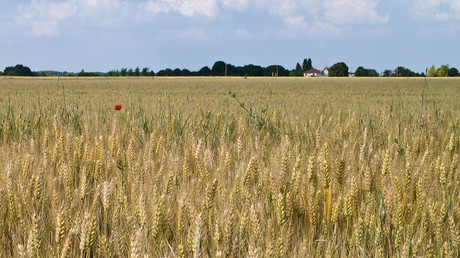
(274, 69)
(218, 69)
(361, 72)
(339, 70)
(176, 72)
(307, 65)
(405, 72)
(137, 72)
(443, 71)
(453, 72)
(432, 72)
(205, 71)
(387, 73)
(297, 71)
(124, 71)
(145, 71)
(18, 70)
(86, 74)
(130, 72)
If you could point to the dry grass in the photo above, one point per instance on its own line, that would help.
(321, 167)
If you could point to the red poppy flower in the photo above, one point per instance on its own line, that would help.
(118, 107)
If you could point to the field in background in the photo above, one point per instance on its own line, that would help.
(278, 167)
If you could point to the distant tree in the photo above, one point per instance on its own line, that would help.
(18, 70)
(218, 69)
(113, 73)
(297, 71)
(405, 72)
(306, 65)
(443, 71)
(86, 74)
(176, 72)
(387, 73)
(185, 72)
(137, 72)
(123, 72)
(205, 71)
(272, 70)
(339, 70)
(432, 72)
(1, 73)
(169, 72)
(373, 73)
(145, 71)
(232, 70)
(253, 70)
(151, 73)
(361, 72)
(453, 72)
(130, 72)
(165, 72)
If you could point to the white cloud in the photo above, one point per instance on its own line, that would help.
(235, 4)
(353, 12)
(44, 18)
(242, 33)
(298, 17)
(440, 10)
(187, 34)
(207, 8)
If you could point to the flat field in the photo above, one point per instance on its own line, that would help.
(229, 167)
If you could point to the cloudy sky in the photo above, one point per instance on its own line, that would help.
(101, 35)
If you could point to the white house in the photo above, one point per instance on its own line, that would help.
(316, 73)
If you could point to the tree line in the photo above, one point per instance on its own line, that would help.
(220, 68)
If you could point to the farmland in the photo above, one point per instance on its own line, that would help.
(229, 167)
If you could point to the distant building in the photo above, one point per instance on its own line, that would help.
(317, 73)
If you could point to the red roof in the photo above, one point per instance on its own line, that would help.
(313, 71)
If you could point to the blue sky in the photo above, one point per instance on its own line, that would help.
(101, 35)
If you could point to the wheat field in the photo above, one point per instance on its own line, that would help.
(229, 167)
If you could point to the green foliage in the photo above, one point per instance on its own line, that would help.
(443, 71)
(218, 69)
(401, 71)
(124, 71)
(18, 70)
(432, 72)
(176, 72)
(165, 72)
(453, 72)
(145, 71)
(205, 71)
(307, 65)
(363, 72)
(339, 70)
(276, 70)
(86, 74)
(387, 73)
(297, 71)
(130, 72)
